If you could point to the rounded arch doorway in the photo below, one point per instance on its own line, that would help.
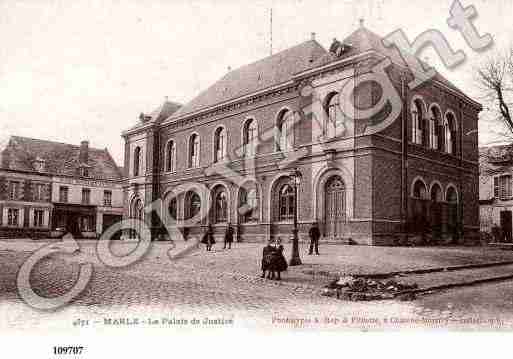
(334, 207)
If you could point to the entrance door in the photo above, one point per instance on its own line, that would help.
(334, 207)
(506, 225)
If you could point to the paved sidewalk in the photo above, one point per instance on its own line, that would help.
(243, 260)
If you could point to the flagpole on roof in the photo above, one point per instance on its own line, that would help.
(271, 32)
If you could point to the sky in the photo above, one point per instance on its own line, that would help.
(72, 70)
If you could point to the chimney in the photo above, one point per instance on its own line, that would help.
(313, 35)
(84, 152)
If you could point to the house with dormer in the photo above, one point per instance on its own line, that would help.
(49, 188)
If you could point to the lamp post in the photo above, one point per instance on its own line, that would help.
(295, 260)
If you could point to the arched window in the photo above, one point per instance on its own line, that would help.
(192, 204)
(417, 125)
(334, 125)
(171, 156)
(285, 131)
(173, 208)
(137, 161)
(419, 190)
(136, 212)
(194, 151)
(452, 195)
(450, 133)
(220, 205)
(286, 202)
(436, 193)
(435, 120)
(219, 144)
(250, 137)
(248, 204)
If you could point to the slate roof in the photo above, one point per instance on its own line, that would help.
(159, 114)
(60, 158)
(363, 40)
(268, 72)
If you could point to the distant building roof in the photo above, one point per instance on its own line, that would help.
(22, 154)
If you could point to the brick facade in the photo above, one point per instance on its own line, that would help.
(378, 169)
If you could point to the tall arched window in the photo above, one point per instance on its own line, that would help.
(219, 144)
(137, 161)
(417, 125)
(450, 133)
(436, 193)
(419, 190)
(248, 204)
(173, 208)
(452, 195)
(250, 137)
(435, 120)
(286, 202)
(171, 156)
(220, 205)
(334, 124)
(285, 131)
(194, 151)
(192, 204)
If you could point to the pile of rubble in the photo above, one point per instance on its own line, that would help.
(361, 288)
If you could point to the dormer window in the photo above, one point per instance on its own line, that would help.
(39, 164)
(84, 172)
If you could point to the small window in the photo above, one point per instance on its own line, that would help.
(86, 196)
(250, 138)
(286, 202)
(63, 194)
(502, 187)
(171, 156)
(193, 204)
(39, 192)
(86, 223)
(137, 161)
(84, 171)
(419, 190)
(194, 151)
(14, 190)
(173, 208)
(334, 126)
(219, 144)
(417, 125)
(221, 206)
(107, 198)
(285, 129)
(39, 218)
(13, 217)
(248, 206)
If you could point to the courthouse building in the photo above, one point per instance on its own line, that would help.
(372, 181)
(49, 188)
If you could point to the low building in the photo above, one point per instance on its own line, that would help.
(495, 191)
(49, 188)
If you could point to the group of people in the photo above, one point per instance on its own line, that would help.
(208, 238)
(273, 260)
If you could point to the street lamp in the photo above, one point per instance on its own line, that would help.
(295, 260)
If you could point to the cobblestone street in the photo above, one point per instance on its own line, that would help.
(198, 286)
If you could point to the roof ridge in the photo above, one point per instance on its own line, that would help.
(54, 142)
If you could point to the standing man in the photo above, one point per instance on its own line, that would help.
(315, 234)
(228, 236)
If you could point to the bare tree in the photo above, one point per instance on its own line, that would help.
(495, 80)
